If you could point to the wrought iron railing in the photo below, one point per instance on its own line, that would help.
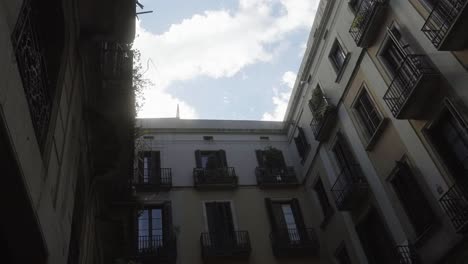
(153, 177)
(275, 176)
(116, 60)
(350, 184)
(157, 245)
(406, 255)
(290, 239)
(215, 176)
(227, 244)
(407, 76)
(455, 204)
(363, 18)
(441, 19)
(32, 68)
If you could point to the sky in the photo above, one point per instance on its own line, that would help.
(222, 59)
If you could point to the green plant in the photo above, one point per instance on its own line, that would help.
(139, 82)
(357, 21)
(318, 104)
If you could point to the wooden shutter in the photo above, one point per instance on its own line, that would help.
(167, 220)
(198, 160)
(222, 158)
(154, 167)
(298, 217)
(297, 141)
(141, 166)
(271, 215)
(259, 155)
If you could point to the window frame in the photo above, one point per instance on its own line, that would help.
(304, 142)
(368, 139)
(327, 212)
(205, 214)
(337, 45)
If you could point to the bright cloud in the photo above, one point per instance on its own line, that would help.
(281, 99)
(216, 44)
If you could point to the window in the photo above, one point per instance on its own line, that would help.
(302, 145)
(286, 219)
(270, 158)
(449, 135)
(343, 154)
(154, 228)
(341, 254)
(355, 4)
(149, 167)
(394, 50)
(337, 57)
(368, 115)
(220, 222)
(412, 198)
(210, 159)
(375, 239)
(323, 198)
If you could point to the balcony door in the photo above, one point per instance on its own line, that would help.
(220, 224)
(286, 220)
(153, 229)
(149, 167)
(375, 239)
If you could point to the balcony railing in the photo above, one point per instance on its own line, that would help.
(218, 177)
(32, 68)
(116, 61)
(406, 255)
(366, 22)
(455, 204)
(413, 82)
(350, 188)
(151, 179)
(294, 242)
(156, 247)
(446, 25)
(225, 245)
(271, 177)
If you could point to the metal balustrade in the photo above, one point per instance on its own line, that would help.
(441, 19)
(350, 188)
(455, 204)
(275, 176)
(364, 19)
(152, 179)
(225, 244)
(204, 177)
(408, 78)
(294, 242)
(406, 254)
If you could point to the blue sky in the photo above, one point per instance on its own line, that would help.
(222, 59)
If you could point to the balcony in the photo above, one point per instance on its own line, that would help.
(157, 248)
(276, 177)
(455, 204)
(30, 58)
(406, 255)
(215, 178)
(446, 25)
(153, 180)
(367, 22)
(350, 188)
(414, 82)
(234, 245)
(323, 121)
(294, 243)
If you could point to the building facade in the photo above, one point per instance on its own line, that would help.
(66, 104)
(381, 96)
(375, 135)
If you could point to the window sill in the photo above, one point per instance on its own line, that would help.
(378, 132)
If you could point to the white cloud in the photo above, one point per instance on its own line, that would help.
(161, 104)
(281, 99)
(218, 44)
